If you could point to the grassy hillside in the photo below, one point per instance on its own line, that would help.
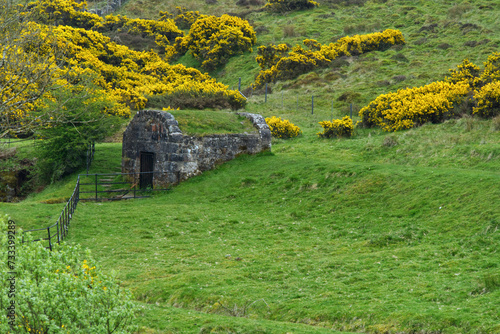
(381, 233)
(439, 35)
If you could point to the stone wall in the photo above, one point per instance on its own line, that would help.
(106, 7)
(178, 157)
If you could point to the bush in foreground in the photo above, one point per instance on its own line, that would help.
(59, 291)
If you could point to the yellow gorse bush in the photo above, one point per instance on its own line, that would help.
(277, 65)
(282, 128)
(67, 12)
(182, 17)
(129, 76)
(410, 107)
(125, 77)
(488, 100)
(491, 70)
(337, 128)
(213, 40)
(466, 71)
(74, 14)
(414, 106)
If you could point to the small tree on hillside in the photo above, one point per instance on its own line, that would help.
(29, 59)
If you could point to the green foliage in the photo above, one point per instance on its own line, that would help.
(85, 116)
(340, 213)
(337, 128)
(200, 100)
(283, 6)
(213, 40)
(59, 291)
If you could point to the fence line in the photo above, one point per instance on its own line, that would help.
(90, 155)
(116, 186)
(326, 104)
(56, 233)
(62, 224)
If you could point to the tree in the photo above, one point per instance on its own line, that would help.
(30, 58)
(76, 116)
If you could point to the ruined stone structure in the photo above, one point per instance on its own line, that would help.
(153, 142)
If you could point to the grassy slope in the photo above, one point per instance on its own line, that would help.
(334, 234)
(436, 33)
(342, 234)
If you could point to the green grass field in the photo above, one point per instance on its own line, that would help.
(317, 236)
(380, 233)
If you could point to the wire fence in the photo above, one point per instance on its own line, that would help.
(118, 186)
(90, 155)
(10, 145)
(96, 187)
(325, 104)
(59, 230)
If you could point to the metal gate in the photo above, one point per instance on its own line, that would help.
(147, 168)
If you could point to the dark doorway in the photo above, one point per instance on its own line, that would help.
(147, 164)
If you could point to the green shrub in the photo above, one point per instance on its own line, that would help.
(197, 100)
(282, 128)
(77, 116)
(59, 291)
(289, 5)
(337, 128)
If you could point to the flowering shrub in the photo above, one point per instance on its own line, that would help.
(183, 18)
(275, 65)
(414, 106)
(466, 71)
(64, 12)
(268, 56)
(70, 13)
(289, 5)
(59, 291)
(129, 76)
(213, 40)
(465, 86)
(125, 76)
(337, 128)
(488, 100)
(282, 128)
(491, 68)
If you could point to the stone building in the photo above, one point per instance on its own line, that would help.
(157, 152)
